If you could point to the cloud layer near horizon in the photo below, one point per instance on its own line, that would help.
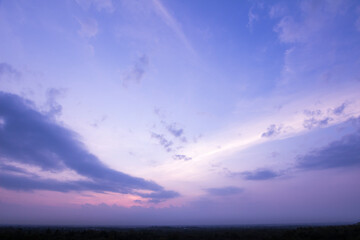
(338, 154)
(32, 138)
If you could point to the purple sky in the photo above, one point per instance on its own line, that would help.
(154, 112)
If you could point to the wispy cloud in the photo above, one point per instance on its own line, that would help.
(312, 113)
(172, 23)
(340, 109)
(176, 131)
(309, 57)
(172, 128)
(181, 157)
(357, 22)
(291, 122)
(272, 131)
(88, 27)
(54, 108)
(163, 141)
(310, 24)
(6, 70)
(313, 122)
(99, 121)
(252, 18)
(277, 10)
(136, 73)
(318, 118)
(99, 5)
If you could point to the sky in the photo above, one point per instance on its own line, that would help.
(169, 112)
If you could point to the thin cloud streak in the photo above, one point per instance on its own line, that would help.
(293, 126)
(173, 24)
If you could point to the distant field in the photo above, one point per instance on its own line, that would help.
(163, 233)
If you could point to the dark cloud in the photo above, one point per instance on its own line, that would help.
(181, 157)
(340, 109)
(136, 72)
(260, 174)
(172, 128)
(342, 153)
(163, 141)
(32, 182)
(224, 191)
(272, 131)
(256, 175)
(8, 70)
(312, 122)
(30, 137)
(177, 132)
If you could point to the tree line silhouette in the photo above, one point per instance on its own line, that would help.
(180, 233)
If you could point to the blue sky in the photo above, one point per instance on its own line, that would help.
(170, 107)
